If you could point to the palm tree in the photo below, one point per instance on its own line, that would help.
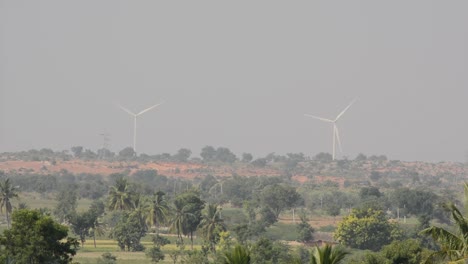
(453, 243)
(328, 255)
(180, 218)
(120, 197)
(7, 192)
(141, 209)
(99, 229)
(211, 223)
(239, 255)
(158, 211)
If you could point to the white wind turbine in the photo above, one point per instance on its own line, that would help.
(135, 120)
(336, 136)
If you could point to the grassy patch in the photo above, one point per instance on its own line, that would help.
(282, 231)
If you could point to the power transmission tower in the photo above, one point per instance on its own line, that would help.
(105, 145)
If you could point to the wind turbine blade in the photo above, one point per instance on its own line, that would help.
(149, 108)
(126, 110)
(319, 118)
(346, 109)
(338, 139)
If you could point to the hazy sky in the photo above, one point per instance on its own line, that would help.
(238, 74)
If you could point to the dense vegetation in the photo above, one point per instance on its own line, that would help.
(382, 211)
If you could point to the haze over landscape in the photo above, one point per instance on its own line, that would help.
(236, 75)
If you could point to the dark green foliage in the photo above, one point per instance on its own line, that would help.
(208, 153)
(266, 251)
(225, 155)
(187, 213)
(403, 252)
(260, 162)
(182, 155)
(220, 154)
(369, 192)
(305, 230)
(7, 193)
(120, 195)
(107, 258)
(239, 255)
(237, 189)
(127, 153)
(35, 238)
(77, 151)
(323, 157)
(155, 253)
(280, 197)
(247, 157)
(415, 202)
(366, 229)
(67, 200)
(328, 255)
(211, 224)
(453, 245)
(158, 210)
(81, 224)
(128, 232)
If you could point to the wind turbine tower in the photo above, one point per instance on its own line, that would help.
(135, 116)
(336, 135)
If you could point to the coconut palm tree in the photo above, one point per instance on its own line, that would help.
(120, 196)
(7, 192)
(211, 223)
(453, 242)
(158, 210)
(239, 255)
(141, 209)
(328, 255)
(180, 218)
(99, 229)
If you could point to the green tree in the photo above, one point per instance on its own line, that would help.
(304, 230)
(328, 255)
(179, 218)
(187, 214)
(265, 251)
(35, 238)
(67, 201)
(182, 155)
(127, 153)
(77, 151)
(366, 229)
(208, 153)
(239, 255)
(247, 157)
(120, 196)
(155, 253)
(7, 193)
(159, 210)
(97, 210)
(141, 209)
(416, 202)
(453, 242)
(81, 223)
(211, 224)
(408, 251)
(128, 232)
(225, 155)
(107, 258)
(323, 157)
(280, 197)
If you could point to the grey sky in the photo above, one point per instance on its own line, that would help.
(239, 74)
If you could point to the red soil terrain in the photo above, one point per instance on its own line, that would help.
(193, 170)
(170, 169)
